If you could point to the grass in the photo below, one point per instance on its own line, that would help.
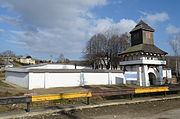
(3, 84)
(68, 101)
(2, 74)
(5, 94)
(17, 64)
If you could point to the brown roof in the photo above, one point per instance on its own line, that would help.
(142, 25)
(149, 48)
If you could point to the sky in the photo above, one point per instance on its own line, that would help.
(45, 29)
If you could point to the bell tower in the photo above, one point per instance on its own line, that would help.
(143, 58)
(142, 34)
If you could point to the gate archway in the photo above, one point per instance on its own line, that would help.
(152, 78)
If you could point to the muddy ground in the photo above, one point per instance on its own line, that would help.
(149, 110)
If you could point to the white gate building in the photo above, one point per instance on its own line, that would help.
(144, 57)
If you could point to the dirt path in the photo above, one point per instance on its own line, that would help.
(168, 109)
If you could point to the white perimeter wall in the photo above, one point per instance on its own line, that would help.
(62, 80)
(58, 66)
(103, 78)
(130, 77)
(167, 73)
(49, 80)
(36, 80)
(117, 78)
(17, 78)
(95, 78)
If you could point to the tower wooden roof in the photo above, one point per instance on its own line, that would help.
(143, 26)
(143, 47)
(146, 48)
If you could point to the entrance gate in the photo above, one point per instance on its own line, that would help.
(152, 78)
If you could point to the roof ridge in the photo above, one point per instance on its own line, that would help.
(142, 25)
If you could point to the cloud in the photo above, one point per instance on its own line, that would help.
(10, 20)
(58, 26)
(154, 18)
(102, 25)
(50, 14)
(116, 1)
(125, 25)
(172, 29)
(2, 30)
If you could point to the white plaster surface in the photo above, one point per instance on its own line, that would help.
(167, 73)
(30, 80)
(17, 78)
(58, 66)
(49, 80)
(143, 61)
(36, 80)
(96, 78)
(62, 80)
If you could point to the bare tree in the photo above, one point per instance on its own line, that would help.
(62, 59)
(51, 57)
(175, 44)
(102, 50)
(96, 50)
(8, 53)
(117, 44)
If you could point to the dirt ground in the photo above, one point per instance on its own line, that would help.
(79, 89)
(168, 109)
(8, 89)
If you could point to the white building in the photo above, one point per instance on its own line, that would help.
(26, 60)
(144, 57)
(57, 75)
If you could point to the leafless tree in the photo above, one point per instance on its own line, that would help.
(96, 50)
(51, 57)
(62, 59)
(175, 44)
(8, 53)
(102, 50)
(117, 44)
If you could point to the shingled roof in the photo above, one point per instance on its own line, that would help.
(147, 48)
(142, 25)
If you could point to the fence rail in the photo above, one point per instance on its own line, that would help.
(60, 96)
(129, 91)
(15, 99)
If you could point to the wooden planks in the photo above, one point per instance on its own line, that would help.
(151, 89)
(113, 92)
(60, 96)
